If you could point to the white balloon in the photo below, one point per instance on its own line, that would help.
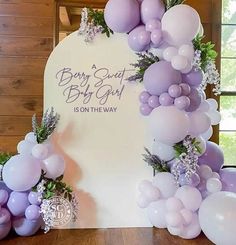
(200, 122)
(169, 53)
(54, 166)
(25, 147)
(168, 124)
(166, 183)
(215, 117)
(179, 62)
(187, 51)
(204, 106)
(213, 104)
(187, 216)
(217, 218)
(215, 175)
(31, 137)
(174, 204)
(142, 201)
(205, 172)
(180, 24)
(193, 230)
(164, 152)
(188, 68)
(144, 185)
(213, 185)
(40, 151)
(174, 219)
(175, 231)
(207, 135)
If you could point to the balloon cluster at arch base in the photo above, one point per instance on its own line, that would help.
(190, 191)
(29, 179)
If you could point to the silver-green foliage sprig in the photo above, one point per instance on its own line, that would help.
(48, 124)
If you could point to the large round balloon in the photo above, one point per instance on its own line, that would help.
(180, 24)
(122, 15)
(18, 202)
(228, 179)
(217, 217)
(164, 152)
(159, 77)
(169, 125)
(213, 156)
(152, 9)
(21, 172)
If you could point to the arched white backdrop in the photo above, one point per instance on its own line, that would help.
(101, 132)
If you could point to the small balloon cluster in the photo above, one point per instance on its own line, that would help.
(31, 177)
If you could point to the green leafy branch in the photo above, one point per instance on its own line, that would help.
(98, 20)
(145, 60)
(207, 51)
(47, 126)
(4, 157)
(155, 162)
(171, 3)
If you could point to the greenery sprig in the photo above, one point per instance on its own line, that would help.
(4, 157)
(171, 3)
(47, 126)
(155, 162)
(98, 20)
(145, 60)
(207, 51)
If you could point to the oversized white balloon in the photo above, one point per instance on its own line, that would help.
(54, 166)
(169, 125)
(163, 151)
(180, 24)
(21, 172)
(217, 217)
(200, 122)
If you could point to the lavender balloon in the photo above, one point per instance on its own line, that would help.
(145, 109)
(33, 198)
(159, 77)
(122, 15)
(182, 103)
(153, 24)
(194, 180)
(166, 100)
(175, 90)
(185, 88)
(156, 37)
(5, 216)
(32, 212)
(193, 78)
(3, 197)
(144, 38)
(228, 179)
(153, 101)
(5, 229)
(195, 100)
(133, 39)
(213, 157)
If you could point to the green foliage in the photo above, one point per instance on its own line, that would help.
(47, 126)
(4, 157)
(172, 3)
(145, 60)
(207, 51)
(155, 162)
(98, 19)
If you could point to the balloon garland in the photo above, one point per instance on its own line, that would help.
(31, 179)
(175, 66)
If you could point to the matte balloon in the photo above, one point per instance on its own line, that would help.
(144, 96)
(193, 78)
(190, 196)
(166, 183)
(31, 137)
(142, 201)
(194, 180)
(169, 125)
(40, 151)
(133, 39)
(156, 212)
(166, 100)
(152, 9)
(204, 106)
(175, 91)
(144, 185)
(207, 135)
(26, 171)
(185, 89)
(228, 178)
(32, 212)
(213, 104)
(217, 217)
(156, 37)
(5, 216)
(195, 100)
(187, 51)
(180, 24)
(26, 227)
(213, 157)
(25, 147)
(205, 171)
(144, 38)
(193, 230)
(152, 193)
(164, 152)
(17, 203)
(153, 24)
(34, 198)
(4, 230)
(159, 77)
(188, 68)
(215, 117)
(175, 231)
(174, 219)
(3, 197)
(54, 166)
(145, 109)
(153, 101)
(215, 175)
(174, 204)
(200, 122)
(187, 216)
(122, 15)
(179, 62)
(169, 53)
(182, 103)
(213, 185)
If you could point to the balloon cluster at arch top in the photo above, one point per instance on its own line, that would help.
(176, 106)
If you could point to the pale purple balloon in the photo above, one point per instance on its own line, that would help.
(144, 38)
(165, 99)
(34, 198)
(5, 216)
(32, 212)
(213, 157)
(17, 203)
(159, 77)
(195, 100)
(193, 230)
(182, 103)
(26, 227)
(5, 229)
(133, 39)
(145, 109)
(122, 15)
(142, 201)
(144, 96)
(152, 9)
(153, 101)
(193, 78)
(175, 90)
(228, 179)
(194, 180)
(3, 197)
(152, 25)
(186, 89)
(156, 37)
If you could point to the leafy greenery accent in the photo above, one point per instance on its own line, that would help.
(180, 148)
(171, 3)
(98, 20)
(4, 157)
(145, 60)
(47, 126)
(207, 51)
(155, 162)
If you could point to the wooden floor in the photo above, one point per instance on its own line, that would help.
(136, 236)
